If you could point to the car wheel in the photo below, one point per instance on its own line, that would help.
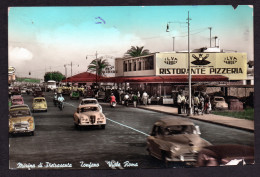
(33, 111)
(46, 110)
(164, 158)
(103, 126)
(32, 133)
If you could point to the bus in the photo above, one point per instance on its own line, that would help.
(51, 85)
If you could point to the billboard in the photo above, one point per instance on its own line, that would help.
(231, 65)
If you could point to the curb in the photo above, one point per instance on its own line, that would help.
(218, 123)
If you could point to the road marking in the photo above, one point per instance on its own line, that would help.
(128, 127)
(117, 123)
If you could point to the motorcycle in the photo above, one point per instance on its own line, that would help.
(61, 105)
(55, 101)
(113, 104)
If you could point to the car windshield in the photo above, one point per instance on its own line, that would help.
(219, 99)
(39, 100)
(88, 109)
(20, 113)
(89, 102)
(17, 100)
(179, 129)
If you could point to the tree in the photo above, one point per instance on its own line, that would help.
(55, 75)
(98, 65)
(136, 51)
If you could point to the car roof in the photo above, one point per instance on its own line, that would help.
(87, 105)
(19, 106)
(39, 98)
(171, 121)
(84, 99)
(17, 96)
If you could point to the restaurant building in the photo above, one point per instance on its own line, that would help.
(162, 73)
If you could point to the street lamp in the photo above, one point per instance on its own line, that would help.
(189, 66)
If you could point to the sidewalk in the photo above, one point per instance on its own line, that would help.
(243, 124)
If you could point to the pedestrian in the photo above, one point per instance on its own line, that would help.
(196, 104)
(135, 99)
(138, 97)
(202, 104)
(144, 98)
(179, 101)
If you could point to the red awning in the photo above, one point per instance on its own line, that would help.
(166, 79)
(83, 77)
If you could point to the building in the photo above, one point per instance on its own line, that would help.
(164, 72)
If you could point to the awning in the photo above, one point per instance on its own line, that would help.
(84, 77)
(166, 79)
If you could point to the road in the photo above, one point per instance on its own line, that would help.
(122, 144)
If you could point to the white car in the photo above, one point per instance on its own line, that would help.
(86, 101)
(89, 115)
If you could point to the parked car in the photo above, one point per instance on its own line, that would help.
(21, 120)
(219, 103)
(17, 99)
(39, 104)
(85, 101)
(74, 95)
(225, 154)
(175, 139)
(89, 115)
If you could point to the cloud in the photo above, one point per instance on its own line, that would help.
(19, 54)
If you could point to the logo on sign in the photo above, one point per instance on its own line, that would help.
(230, 60)
(201, 59)
(170, 61)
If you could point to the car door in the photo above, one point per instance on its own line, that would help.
(154, 142)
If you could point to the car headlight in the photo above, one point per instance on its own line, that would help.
(174, 149)
(30, 120)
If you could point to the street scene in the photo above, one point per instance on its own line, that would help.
(98, 89)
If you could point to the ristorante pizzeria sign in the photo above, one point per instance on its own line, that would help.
(231, 65)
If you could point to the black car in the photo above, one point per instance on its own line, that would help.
(225, 154)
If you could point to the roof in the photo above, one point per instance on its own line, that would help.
(170, 121)
(83, 77)
(38, 98)
(166, 79)
(87, 105)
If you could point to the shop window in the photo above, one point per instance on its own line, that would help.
(129, 66)
(134, 69)
(139, 65)
(125, 66)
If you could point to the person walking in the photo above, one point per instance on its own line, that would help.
(145, 98)
(135, 99)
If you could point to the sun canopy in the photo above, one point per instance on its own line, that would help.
(166, 79)
(84, 77)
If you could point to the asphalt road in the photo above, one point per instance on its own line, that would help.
(122, 144)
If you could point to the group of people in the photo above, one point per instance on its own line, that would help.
(200, 104)
(130, 96)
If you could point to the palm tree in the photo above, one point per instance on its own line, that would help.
(136, 51)
(98, 65)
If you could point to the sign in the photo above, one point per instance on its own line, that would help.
(11, 70)
(231, 65)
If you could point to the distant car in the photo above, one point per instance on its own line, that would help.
(219, 103)
(74, 95)
(38, 93)
(66, 91)
(21, 120)
(175, 139)
(89, 94)
(39, 104)
(17, 99)
(226, 154)
(23, 90)
(89, 115)
(15, 91)
(85, 101)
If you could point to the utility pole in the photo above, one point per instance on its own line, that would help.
(210, 35)
(173, 40)
(96, 66)
(71, 73)
(189, 68)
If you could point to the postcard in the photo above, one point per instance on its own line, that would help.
(130, 87)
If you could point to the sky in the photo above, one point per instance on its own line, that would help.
(44, 39)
